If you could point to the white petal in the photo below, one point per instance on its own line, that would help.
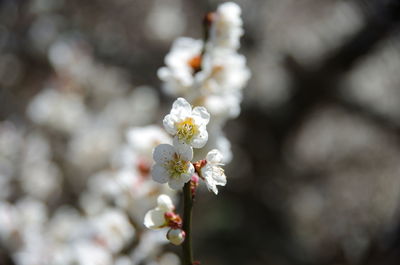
(213, 175)
(181, 108)
(169, 124)
(211, 184)
(163, 73)
(201, 139)
(190, 171)
(220, 179)
(163, 153)
(186, 177)
(160, 174)
(214, 157)
(201, 115)
(154, 219)
(185, 151)
(176, 184)
(164, 202)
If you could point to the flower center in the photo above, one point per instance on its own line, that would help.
(177, 167)
(195, 63)
(186, 130)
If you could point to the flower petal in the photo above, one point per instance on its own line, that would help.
(214, 157)
(176, 184)
(186, 177)
(169, 124)
(211, 184)
(201, 115)
(185, 151)
(165, 203)
(159, 174)
(220, 178)
(154, 219)
(201, 139)
(163, 153)
(181, 108)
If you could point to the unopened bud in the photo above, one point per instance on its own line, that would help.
(176, 236)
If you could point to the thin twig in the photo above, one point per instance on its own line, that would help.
(187, 225)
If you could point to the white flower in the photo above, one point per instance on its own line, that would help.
(61, 111)
(212, 173)
(143, 139)
(227, 29)
(182, 62)
(186, 125)
(172, 165)
(176, 236)
(223, 72)
(155, 218)
(113, 229)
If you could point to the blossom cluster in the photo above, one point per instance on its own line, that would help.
(76, 178)
(210, 72)
(209, 75)
(173, 163)
(76, 183)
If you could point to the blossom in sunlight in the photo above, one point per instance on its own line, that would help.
(163, 215)
(211, 170)
(172, 165)
(187, 125)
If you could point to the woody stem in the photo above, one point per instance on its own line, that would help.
(187, 225)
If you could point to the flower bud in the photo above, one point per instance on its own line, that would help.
(176, 236)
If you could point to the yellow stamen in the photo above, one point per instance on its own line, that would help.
(177, 166)
(186, 130)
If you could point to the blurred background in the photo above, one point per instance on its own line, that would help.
(315, 175)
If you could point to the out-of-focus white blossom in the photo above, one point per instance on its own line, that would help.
(123, 260)
(86, 253)
(144, 139)
(148, 246)
(210, 74)
(41, 180)
(226, 28)
(61, 111)
(9, 225)
(172, 165)
(92, 145)
(186, 125)
(127, 111)
(113, 229)
(182, 63)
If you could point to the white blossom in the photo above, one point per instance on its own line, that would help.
(212, 172)
(182, 62)
(155, 218)
(226, 27)
(113, 229)
(56, 110)
(187, 125)
(172, 165)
